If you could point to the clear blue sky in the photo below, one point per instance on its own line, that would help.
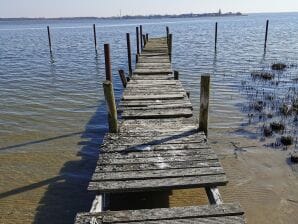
(98, 8)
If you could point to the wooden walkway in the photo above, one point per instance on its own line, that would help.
(158, 147)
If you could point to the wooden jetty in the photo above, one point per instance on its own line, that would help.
(157, 146)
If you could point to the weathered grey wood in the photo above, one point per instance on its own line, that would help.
(156, 71)
(204, 103)
(155, 107)
(131, 175)
(97, 204)
(158, 184)
(153, 103)
(123, 78)
(157, 113)
(153, 97)
(156, 166)
(214, 196)
(211, 214)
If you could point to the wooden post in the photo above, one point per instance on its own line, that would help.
(108, 63)
(138, 40)
(49, 37)
(141, 36)
(176, 75)
(170, 46)
(94, 35)
(123, 78)
(111, 106)
(168, 32)
(215, 45)
(144, 40)
(266, 34)
(129, 53)
(137, 58)
(147, 37)
(204, 103)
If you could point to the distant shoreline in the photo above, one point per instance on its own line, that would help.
(189, 15)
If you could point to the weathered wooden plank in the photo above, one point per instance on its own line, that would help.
(156, 113)
(131, 175)
(148, 103)
(153, 71)
(103, 160)
(153, 82)
(217, 213)
(156, 107)
(154, 97)
(158, 184)
(153, 92)
(156, 166)
(152, 77)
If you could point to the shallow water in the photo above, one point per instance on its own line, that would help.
(52, 108)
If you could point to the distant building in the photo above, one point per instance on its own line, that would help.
(219, 12)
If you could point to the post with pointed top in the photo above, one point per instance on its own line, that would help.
(129, 53)
(111, 106)
(138, 40)
(94, 35)
(170, 44)
(49, 38)
(266, 34)
(204, 103)
(215, 45)
(141, 36)
(108, 63)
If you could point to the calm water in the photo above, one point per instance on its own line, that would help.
(55, 103)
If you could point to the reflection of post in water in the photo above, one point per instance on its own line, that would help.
(214, 62)
(97, 63)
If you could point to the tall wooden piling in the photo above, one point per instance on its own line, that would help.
(129, 53)
(138, 40)
(108, 63)
(170, 44)
(141, 36)
(266, 34)
(204, 103)
(215, 42)
(94, 35)
(168, 31)
(147, 37)
(111, 106)
(123, 78)
(144, 39)
(49, 38)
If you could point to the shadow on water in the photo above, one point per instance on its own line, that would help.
(67, 193)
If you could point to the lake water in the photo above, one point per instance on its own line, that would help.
(52, 112)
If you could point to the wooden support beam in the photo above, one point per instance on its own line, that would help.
(123, 78)
(49, 38)
(168, 31)
(204, 103)
(144, 40)
(97, 204)
(214, 196)
(147, 37)
(111, 106)
(129, 53)
(108, 63)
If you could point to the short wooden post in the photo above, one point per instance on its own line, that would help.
(111, 106)
(49, 38)
(147, 37)
(176, 75)
(129, 53)
(215, 44)
(108, 63)
(168, 31)
(138, 40)
(141, 36)
(204, 103)
(94, 35)
(144, 40)
(123, 78)
(266, 34)
(137, 58)
(170, 43)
